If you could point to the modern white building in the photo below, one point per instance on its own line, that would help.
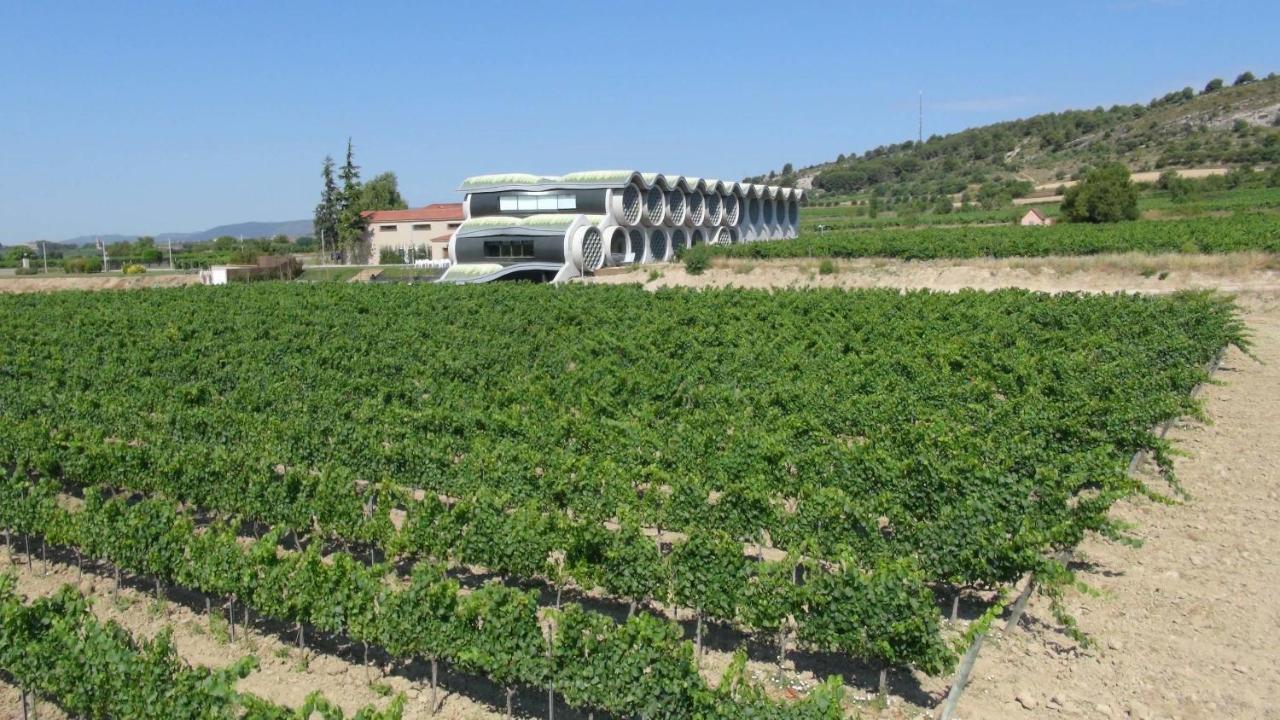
(521, 226)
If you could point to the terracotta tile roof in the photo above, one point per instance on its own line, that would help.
(431, 213)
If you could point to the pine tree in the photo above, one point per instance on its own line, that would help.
(326, 218)
(350, 222)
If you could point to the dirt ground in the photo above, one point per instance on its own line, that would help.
(1130, 272)
(113, 282)
(1148, 176)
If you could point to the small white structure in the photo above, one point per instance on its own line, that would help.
(216, 275)
(433, 264)
(1035, 217)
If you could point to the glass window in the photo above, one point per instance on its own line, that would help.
(508, 249)
(536, 202)
(387, 228)
(422, 227)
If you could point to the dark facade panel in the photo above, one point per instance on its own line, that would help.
(476, 249)
(589, 202)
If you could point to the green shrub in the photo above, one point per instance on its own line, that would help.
(1179, 187)
(82, 265)
(246, 256)
(696, 259)
(134, 269)
(390, 256)
(25, 271)
(826, 267)
(1105, 195)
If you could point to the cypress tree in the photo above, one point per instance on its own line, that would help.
(326, 217)
(350, 222)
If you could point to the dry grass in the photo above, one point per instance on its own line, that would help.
(1121, 272)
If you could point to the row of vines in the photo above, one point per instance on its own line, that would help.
(1243, 231)
(642, 666)
(56, 647)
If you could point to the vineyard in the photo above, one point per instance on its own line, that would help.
(95, 669)
(1246, 231)
(828, 470)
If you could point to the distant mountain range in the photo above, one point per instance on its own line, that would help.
(292, 228)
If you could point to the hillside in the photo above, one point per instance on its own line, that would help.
(1223, 125)
(292, 228)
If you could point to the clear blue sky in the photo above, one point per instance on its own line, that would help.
(176, 116)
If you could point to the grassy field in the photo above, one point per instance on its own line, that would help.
(409, 273)
(329, 274)
(1153, 204)
(1254, 231)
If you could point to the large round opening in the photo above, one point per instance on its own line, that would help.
(592, 249)
(617, 246)
(731, 208)
(696, 237)
(793, 212)
(697, 208)
(753, 211)
(679, 240)
(676, 207)
(635, 252)
(655, 202)
(658, 244)
(735, 236)
(631, 205)
(715, 209)
(768, 211)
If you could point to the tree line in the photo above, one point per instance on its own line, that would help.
(339, 221)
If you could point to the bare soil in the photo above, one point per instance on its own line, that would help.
(90, 282)
(1129, 272)
(1147, 176)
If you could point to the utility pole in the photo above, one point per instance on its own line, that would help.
(171, 252)
(44, 254)
(920, 130)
